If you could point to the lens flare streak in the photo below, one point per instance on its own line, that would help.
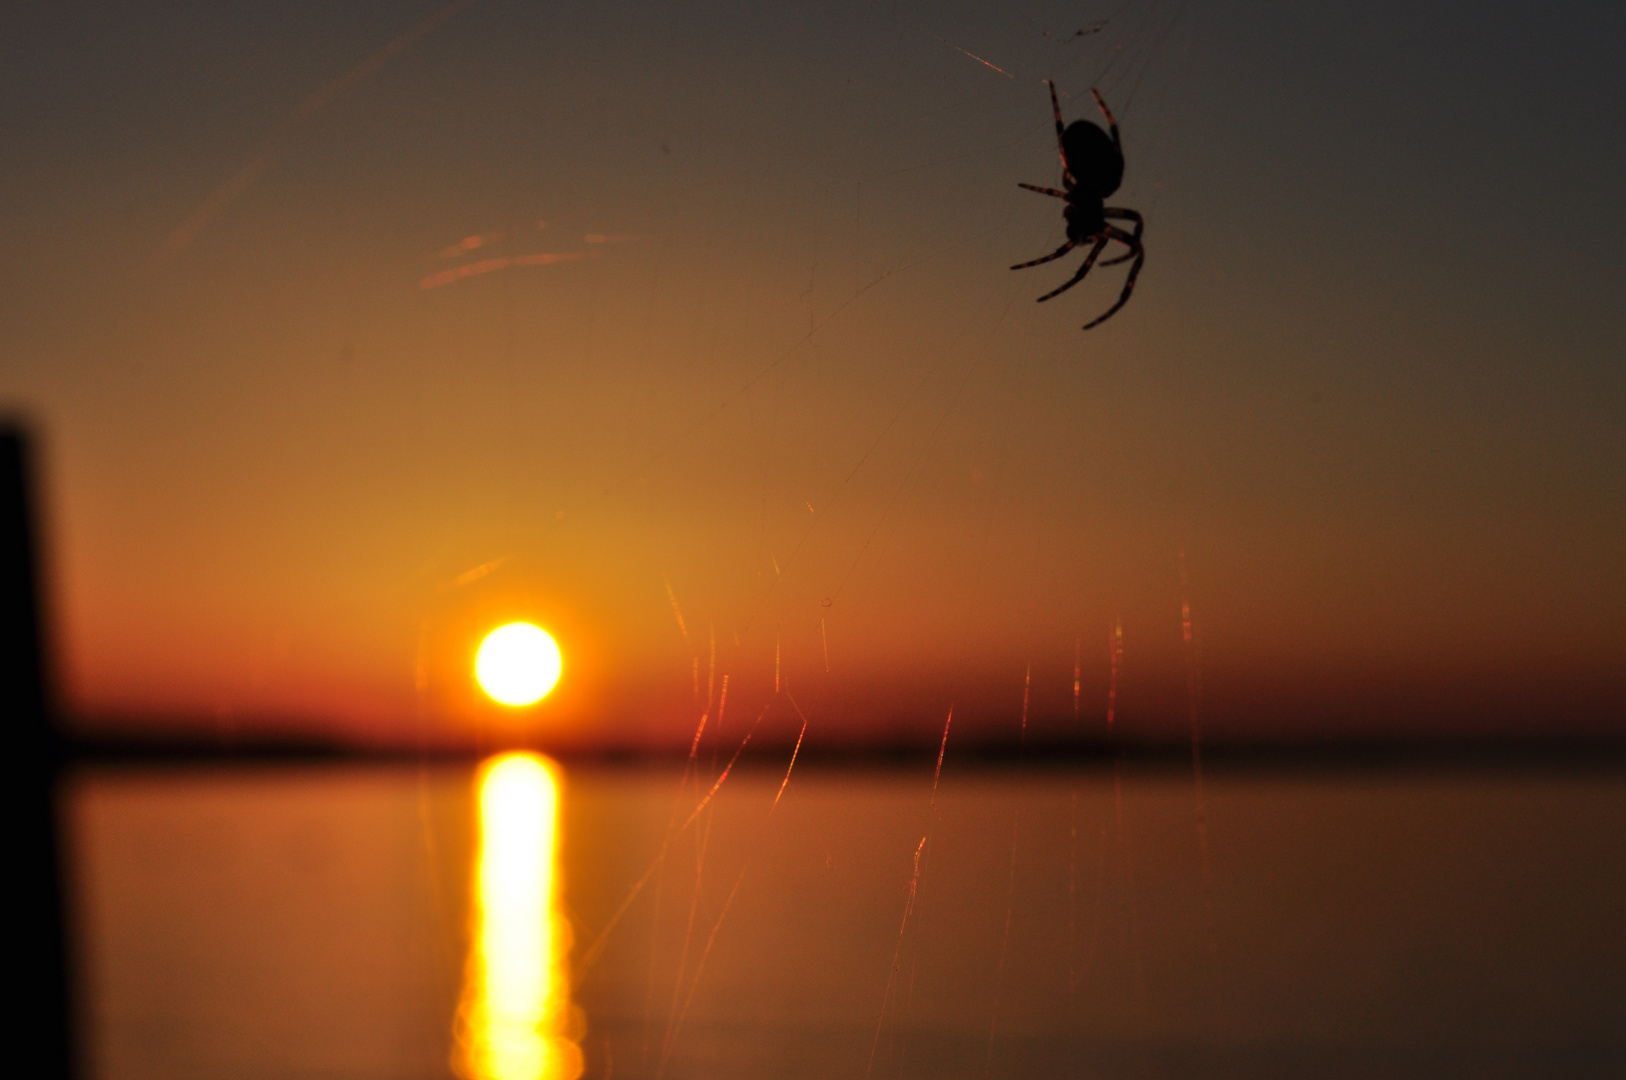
(541, 258)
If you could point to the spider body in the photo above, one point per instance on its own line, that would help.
(1092, 163)
(1094, 159)
(1085, 216)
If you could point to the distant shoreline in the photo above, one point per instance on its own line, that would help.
(1342, 756)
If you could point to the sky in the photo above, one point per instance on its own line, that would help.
(687, 331)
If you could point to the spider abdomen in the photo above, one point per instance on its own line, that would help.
(1096, 163)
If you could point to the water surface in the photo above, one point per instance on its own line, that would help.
(334, 921)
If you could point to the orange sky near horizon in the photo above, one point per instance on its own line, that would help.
(737, 334)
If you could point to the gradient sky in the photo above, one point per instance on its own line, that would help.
(1371, 380)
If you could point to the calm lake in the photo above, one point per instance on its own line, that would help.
(525, 919)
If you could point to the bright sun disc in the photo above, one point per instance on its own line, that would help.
(517, 664)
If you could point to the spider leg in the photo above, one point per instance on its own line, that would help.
(1129, 282)
(1089, 261)
(1128, 215)
(1061, 146)
(1044, 190)
(1058, 253)
(1112, 124)
(1125, 214)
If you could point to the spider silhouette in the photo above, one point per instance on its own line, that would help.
(1092, 166)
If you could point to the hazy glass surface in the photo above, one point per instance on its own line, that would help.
(315, 922)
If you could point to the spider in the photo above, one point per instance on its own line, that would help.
(1092, 166)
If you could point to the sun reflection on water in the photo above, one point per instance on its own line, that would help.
(516, 1021)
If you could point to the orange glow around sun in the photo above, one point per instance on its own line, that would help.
(518, 664)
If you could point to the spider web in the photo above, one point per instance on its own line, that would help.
(719, 303)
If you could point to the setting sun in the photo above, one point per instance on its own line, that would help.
(517, 664)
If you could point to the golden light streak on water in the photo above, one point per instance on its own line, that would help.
(516, 1021)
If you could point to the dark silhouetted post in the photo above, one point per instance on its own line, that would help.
(39, 993)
